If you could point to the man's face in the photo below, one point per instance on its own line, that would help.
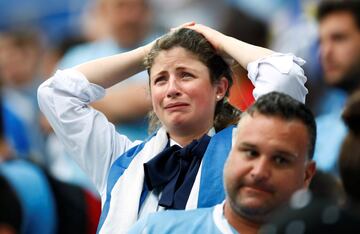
(339, 47)
(128, 20)
(266, 165)
(18, 63)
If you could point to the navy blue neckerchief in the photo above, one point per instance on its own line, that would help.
(173, 171)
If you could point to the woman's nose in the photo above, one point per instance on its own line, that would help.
(173, 89)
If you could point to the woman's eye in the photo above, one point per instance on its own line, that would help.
(159, 80)
(186, 75)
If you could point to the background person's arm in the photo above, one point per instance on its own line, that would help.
(125, 104)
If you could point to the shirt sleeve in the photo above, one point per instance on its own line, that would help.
(85, 132)
(278, 72)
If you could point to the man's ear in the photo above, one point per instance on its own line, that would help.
(309, 173)
(222, 86)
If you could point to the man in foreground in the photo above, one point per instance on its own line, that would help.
(270, 160)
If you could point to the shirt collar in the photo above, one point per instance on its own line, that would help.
(210, 133)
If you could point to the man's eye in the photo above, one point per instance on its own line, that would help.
(279, 160)
(339, 37)
(249, 153)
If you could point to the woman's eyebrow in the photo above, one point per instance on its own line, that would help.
(180, 68)
(162, 72)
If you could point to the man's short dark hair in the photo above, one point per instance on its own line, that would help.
(328, 7)
(287, 108)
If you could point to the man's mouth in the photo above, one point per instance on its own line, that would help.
(259, 188)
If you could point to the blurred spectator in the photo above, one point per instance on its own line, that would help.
(171, 13)
(33, 202)
(21, 54)
(10, 212)
(34, 193)
(269, 10)
(32, 190)
(21, 71)
(55, 51)
(20, 62)
(129, 24)
(48, 205)
(94, 25)
(328, 187)
(339, 27)
(349, 161)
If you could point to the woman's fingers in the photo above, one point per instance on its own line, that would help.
(214, 37)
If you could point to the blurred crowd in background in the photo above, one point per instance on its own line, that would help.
(37, 37)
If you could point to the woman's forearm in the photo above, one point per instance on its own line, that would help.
(244, 53)
(110, 70)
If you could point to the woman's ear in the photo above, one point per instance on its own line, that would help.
(221, 87)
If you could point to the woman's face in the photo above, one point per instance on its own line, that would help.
(182, 94)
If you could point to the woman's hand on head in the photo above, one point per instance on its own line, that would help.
(147, 48)
(216, 38)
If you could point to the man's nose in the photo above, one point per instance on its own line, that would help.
(261, 169)
(325, 50)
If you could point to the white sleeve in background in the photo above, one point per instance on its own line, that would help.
(278, 72)
(85, 132)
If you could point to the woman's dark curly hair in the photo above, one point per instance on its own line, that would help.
(225, 113)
